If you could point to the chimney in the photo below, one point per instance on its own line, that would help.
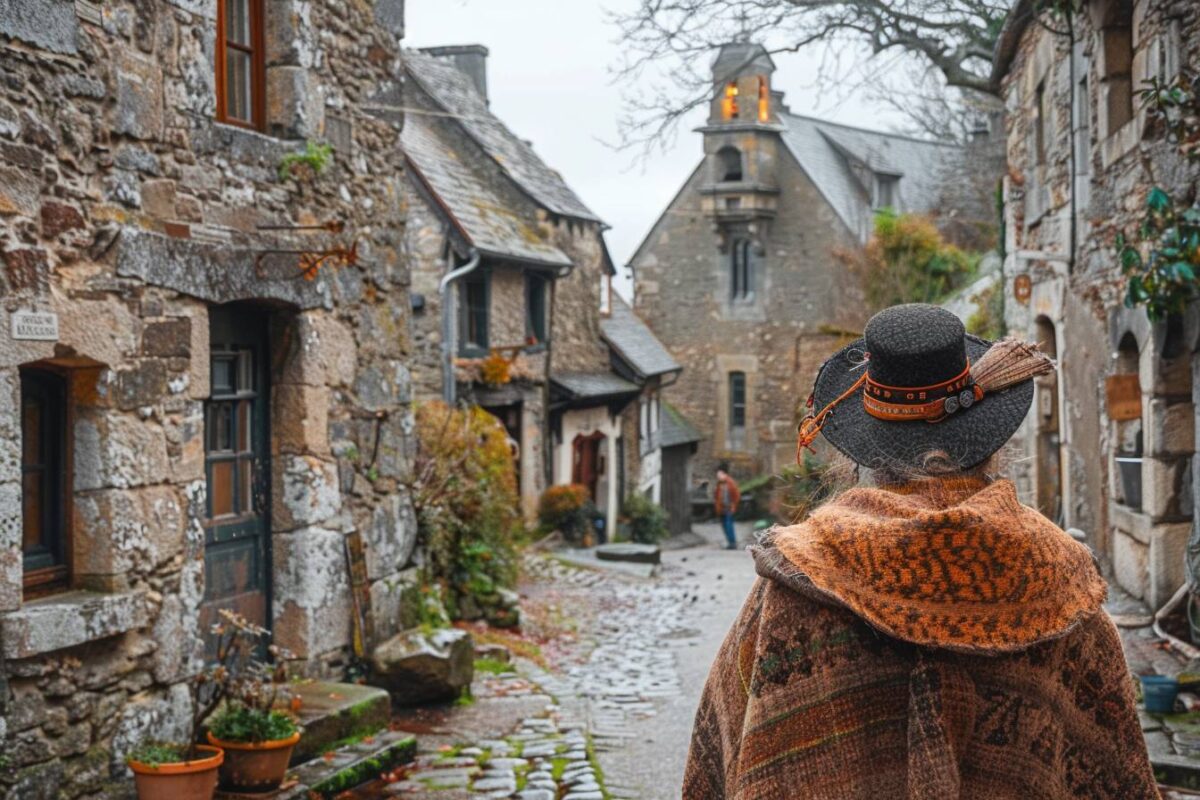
(471, 59)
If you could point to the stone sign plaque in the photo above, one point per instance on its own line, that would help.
(1124, 395)
(41, 326)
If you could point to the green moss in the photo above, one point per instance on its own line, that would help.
(316, 156)
(401, 752)
(558, 766)
(492, 666)
(466, 698)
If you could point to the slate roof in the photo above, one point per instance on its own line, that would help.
(635, 343)
(478, 213)
(582, 385)
(829, 153)
(455, 92)
(676, 430)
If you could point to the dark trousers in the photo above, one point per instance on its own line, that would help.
(730, 531)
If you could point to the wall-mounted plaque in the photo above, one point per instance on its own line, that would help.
(41, 326)
(1124, 395)
(1023, 288)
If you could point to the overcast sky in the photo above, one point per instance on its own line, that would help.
(549, 80)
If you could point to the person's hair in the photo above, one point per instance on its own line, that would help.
(723, 467)
(935, 465)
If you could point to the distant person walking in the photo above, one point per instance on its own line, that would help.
(725, 499)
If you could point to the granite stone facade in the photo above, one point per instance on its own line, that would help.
(1082, 160)
(135, 231)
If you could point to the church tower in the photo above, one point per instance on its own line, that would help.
(741, 148)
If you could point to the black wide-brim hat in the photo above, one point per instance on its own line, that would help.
(915, 345)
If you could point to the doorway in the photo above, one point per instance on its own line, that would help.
(237, 552)
(588, 466)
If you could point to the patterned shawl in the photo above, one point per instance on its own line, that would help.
(947, 643)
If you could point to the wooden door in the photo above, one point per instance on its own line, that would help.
(587, 466)
(237, 469)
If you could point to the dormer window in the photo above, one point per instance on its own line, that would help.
(885, 191)
(764, 100)
(729, 103)
(729, 162)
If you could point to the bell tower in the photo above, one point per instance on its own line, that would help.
(742, 145)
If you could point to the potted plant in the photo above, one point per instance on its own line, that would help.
(175, 771)
(166, 771)
(253, 725)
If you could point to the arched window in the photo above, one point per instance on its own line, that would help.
(729, 162)
(741, 267)
(729, 103)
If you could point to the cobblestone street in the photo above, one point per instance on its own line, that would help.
(609, 708)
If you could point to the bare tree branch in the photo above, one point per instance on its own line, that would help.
(670, 43)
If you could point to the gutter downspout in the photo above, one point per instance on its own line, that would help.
(448, 319)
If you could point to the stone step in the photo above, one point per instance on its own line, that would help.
(353, 766)
(335, 713)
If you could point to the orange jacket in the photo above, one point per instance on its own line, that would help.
(735, 496)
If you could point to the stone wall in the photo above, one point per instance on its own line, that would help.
(127, 212)
(1063, 212)
(779, 340)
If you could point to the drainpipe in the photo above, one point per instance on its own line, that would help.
(448, 319)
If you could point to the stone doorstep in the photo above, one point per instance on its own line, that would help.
(1176, 771)
(332, 713)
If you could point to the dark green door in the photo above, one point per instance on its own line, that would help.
(237, 556)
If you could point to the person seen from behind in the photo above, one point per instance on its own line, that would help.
(725, 501)
(923, 636)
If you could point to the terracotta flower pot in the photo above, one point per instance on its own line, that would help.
(188, 780)
(255, 767)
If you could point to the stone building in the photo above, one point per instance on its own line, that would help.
(1110, 441)
(201, 406)
(740, 278)
(510, 268)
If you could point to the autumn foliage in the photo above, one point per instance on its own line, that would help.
(465, 495)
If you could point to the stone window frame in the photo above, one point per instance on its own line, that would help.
(736, 415)
(537, 289)
(742, 251)
(257, 52)
(1115, 35)
(468, 349)
(57, 576)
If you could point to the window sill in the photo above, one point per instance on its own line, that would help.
(67, 620)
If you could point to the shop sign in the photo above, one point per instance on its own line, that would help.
(41, 326)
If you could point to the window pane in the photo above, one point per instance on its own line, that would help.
(222, 376)
(220, 427)
(32, 501)
(31, 433)
(237, 21)
(237, 84)
(246, 478)
(220, 488)
(243, 426)
(245, 364)
(737, 399)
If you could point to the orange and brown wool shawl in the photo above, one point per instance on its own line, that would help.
(943, 643)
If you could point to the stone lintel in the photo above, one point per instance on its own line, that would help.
(66, 620)
(218, 273)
